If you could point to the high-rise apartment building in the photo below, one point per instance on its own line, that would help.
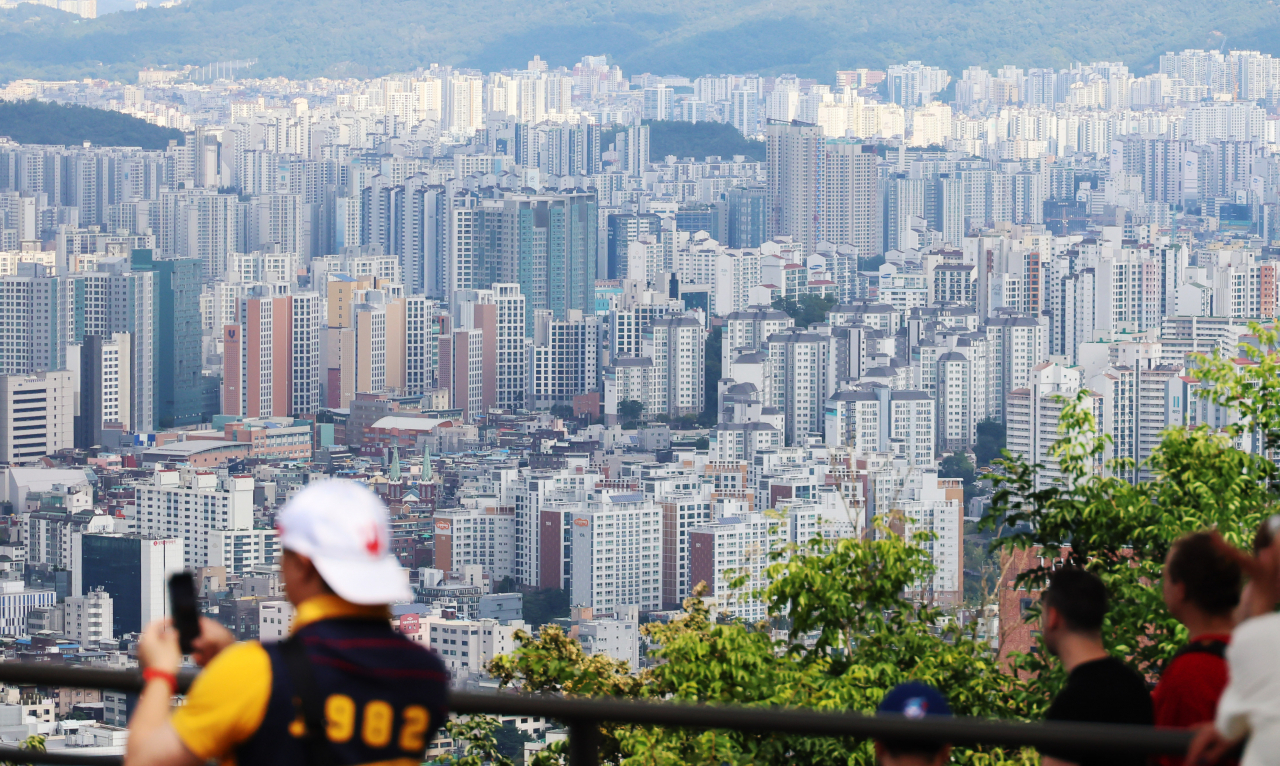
(39, 320)
(177, 359)
(733, 547)
(745, 216)
(213, 516)
(104, 367)
(676, 344)
(545, 243)
(616, 553)
(563, 358)
(624, 229)
(798, 380)
(795, 154)
(882, 420)
(822, 189)
(851, 200)
(271, 357)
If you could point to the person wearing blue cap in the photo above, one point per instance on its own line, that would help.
(914, 700)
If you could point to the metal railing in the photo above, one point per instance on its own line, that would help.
(583, 716)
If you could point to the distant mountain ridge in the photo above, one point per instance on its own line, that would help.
(341, 38)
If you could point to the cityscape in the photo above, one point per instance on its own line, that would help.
(606, 341)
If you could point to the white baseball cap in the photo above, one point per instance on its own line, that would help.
(342, 527)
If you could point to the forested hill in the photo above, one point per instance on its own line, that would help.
(36, 122)
(336, 38)
(697, 140)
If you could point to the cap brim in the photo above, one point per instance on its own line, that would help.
(364, 582)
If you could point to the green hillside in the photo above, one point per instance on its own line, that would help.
(697, 140)
(810, 38)
(37, 122)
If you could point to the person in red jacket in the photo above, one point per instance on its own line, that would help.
(1201, 589)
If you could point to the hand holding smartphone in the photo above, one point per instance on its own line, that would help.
(186, 615)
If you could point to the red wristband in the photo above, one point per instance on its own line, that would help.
(164, 675)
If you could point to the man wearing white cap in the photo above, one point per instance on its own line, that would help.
(343, 689)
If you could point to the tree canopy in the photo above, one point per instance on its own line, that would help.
(807, 309)
(990, 442)
(700, 140)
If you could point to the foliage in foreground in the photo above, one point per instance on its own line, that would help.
(808, 309)
(846, 593)
(1122, 531)
(861, 637)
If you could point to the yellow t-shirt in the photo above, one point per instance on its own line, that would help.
(228, 700)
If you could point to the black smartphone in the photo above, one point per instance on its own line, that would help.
(186, 615)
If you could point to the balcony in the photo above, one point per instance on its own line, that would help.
(583, 716)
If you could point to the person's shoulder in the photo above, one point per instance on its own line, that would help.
(1122, 670)
(1106, 676)
(1194, 663)
(242, 656)
(1264, 627)
(1255, 635)
(227, 702)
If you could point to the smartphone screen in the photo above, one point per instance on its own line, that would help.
(186, 615)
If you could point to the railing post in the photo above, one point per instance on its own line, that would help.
(584, 742)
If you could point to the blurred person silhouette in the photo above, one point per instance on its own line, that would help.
(1100, 688)
(914, 700)
(1201, 588)
(1249, 710)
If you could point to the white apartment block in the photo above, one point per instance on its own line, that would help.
(799, 380)
(240, 549)
(937, 507)
(681, 512)
(1033, 415)
(512, 351)
(736, 272)
(617, 554)
(117, 300)
(617, 639)
(39, 320)
(275, 620)
(676, 344)
(627, 324)
(87, 619)
(1016, 345)
(423, 329)
(732, 442)
(196, 506)
(52, 538)
(563, 358)
(16, 601)
(117, 380)
(37, 414)
(479, 533)
(467, 646)
(545, 502)
(881, 420)
(628, 379)
(749, 329)
(963, 388)
(732, 547)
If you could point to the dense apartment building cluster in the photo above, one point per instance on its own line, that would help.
(568, 363)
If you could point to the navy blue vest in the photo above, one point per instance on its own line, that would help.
(384, 697)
